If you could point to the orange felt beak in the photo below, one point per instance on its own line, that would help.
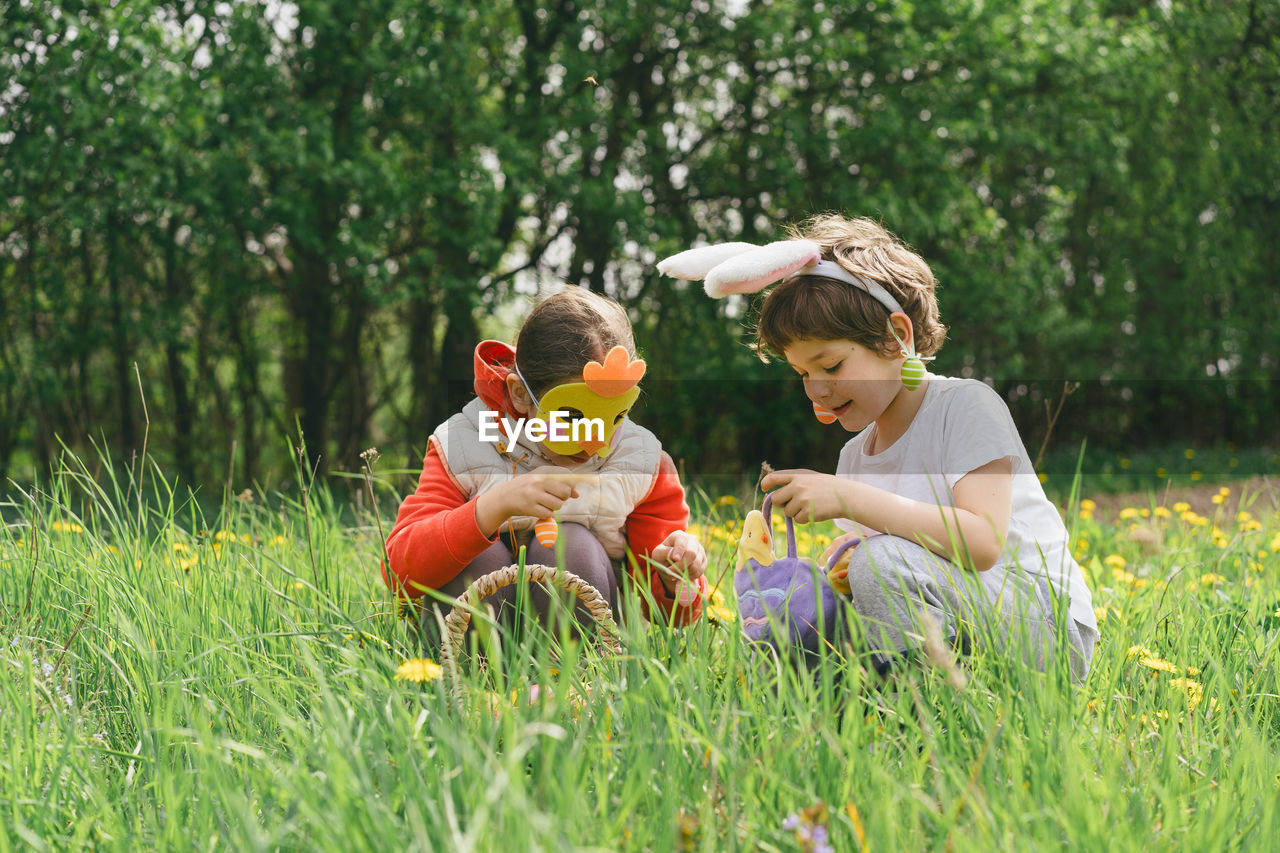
(592, 446)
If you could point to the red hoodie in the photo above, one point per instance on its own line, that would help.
(436, 535)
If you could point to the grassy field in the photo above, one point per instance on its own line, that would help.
(239, 679)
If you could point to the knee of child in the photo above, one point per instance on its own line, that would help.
(580, 538)
(585, 555)
(878, 566)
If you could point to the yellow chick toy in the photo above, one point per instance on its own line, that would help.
(756, 542)
(839, 574)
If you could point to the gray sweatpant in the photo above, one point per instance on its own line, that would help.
(893, 581)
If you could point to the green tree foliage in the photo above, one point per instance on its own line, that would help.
(267, 217)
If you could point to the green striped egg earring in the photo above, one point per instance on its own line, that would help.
(913, 369)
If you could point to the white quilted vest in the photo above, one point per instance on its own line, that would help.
(626, 476)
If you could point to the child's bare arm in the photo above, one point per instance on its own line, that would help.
(539, 493)
(972, 532)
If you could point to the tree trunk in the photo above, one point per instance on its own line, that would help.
(120, 343)
(461, 334)
(426, 409)
(307, 364)
(183, 407)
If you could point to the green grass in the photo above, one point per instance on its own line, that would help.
(1106, 472)
(179, 680)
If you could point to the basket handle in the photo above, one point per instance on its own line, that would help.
(766, 510)
(459, 618)
(844, 546)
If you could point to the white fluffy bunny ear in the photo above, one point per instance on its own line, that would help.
(751, 271)
(694, 264)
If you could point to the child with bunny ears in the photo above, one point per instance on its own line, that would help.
(936, 480)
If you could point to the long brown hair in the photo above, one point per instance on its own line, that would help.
(565, 331)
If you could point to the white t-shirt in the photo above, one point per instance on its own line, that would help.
(962, 425)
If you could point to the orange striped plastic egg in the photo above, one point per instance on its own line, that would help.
(546, 531)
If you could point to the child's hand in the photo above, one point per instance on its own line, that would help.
(683, 554)
(807, 495)
(539, 493)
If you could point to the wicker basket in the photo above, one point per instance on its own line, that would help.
(456, 622)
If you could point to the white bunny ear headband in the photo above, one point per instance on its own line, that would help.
(726, 268)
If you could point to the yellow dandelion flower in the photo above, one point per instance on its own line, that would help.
(1085, 515)
(360, 636)
(66, 527)
(1125, 463)
(1219, 538)
(720, 613)
(1189, 453)
(1223, 490)
(1275, 543)
(1114, 561)
(1194, 690)
(179, 548)
(276, 541)
(1087, 505)
(1250, 526)
(727, 500)
(1153, 721)
(1128, 513)
(1158, 664)
(1101, 613)
(1162, 512)
(1162, 473)
(1218, 498)
(418, 669)
(1211, 578)
(1196, 476)
(1181, 507)
(1138, 650)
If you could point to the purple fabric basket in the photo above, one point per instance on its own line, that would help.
(791, 600)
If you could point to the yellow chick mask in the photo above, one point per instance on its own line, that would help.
(605, 395)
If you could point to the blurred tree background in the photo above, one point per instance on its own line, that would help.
(273, 216)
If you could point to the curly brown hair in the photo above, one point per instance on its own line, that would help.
(819, 308)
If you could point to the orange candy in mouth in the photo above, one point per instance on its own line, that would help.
(825, 416)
